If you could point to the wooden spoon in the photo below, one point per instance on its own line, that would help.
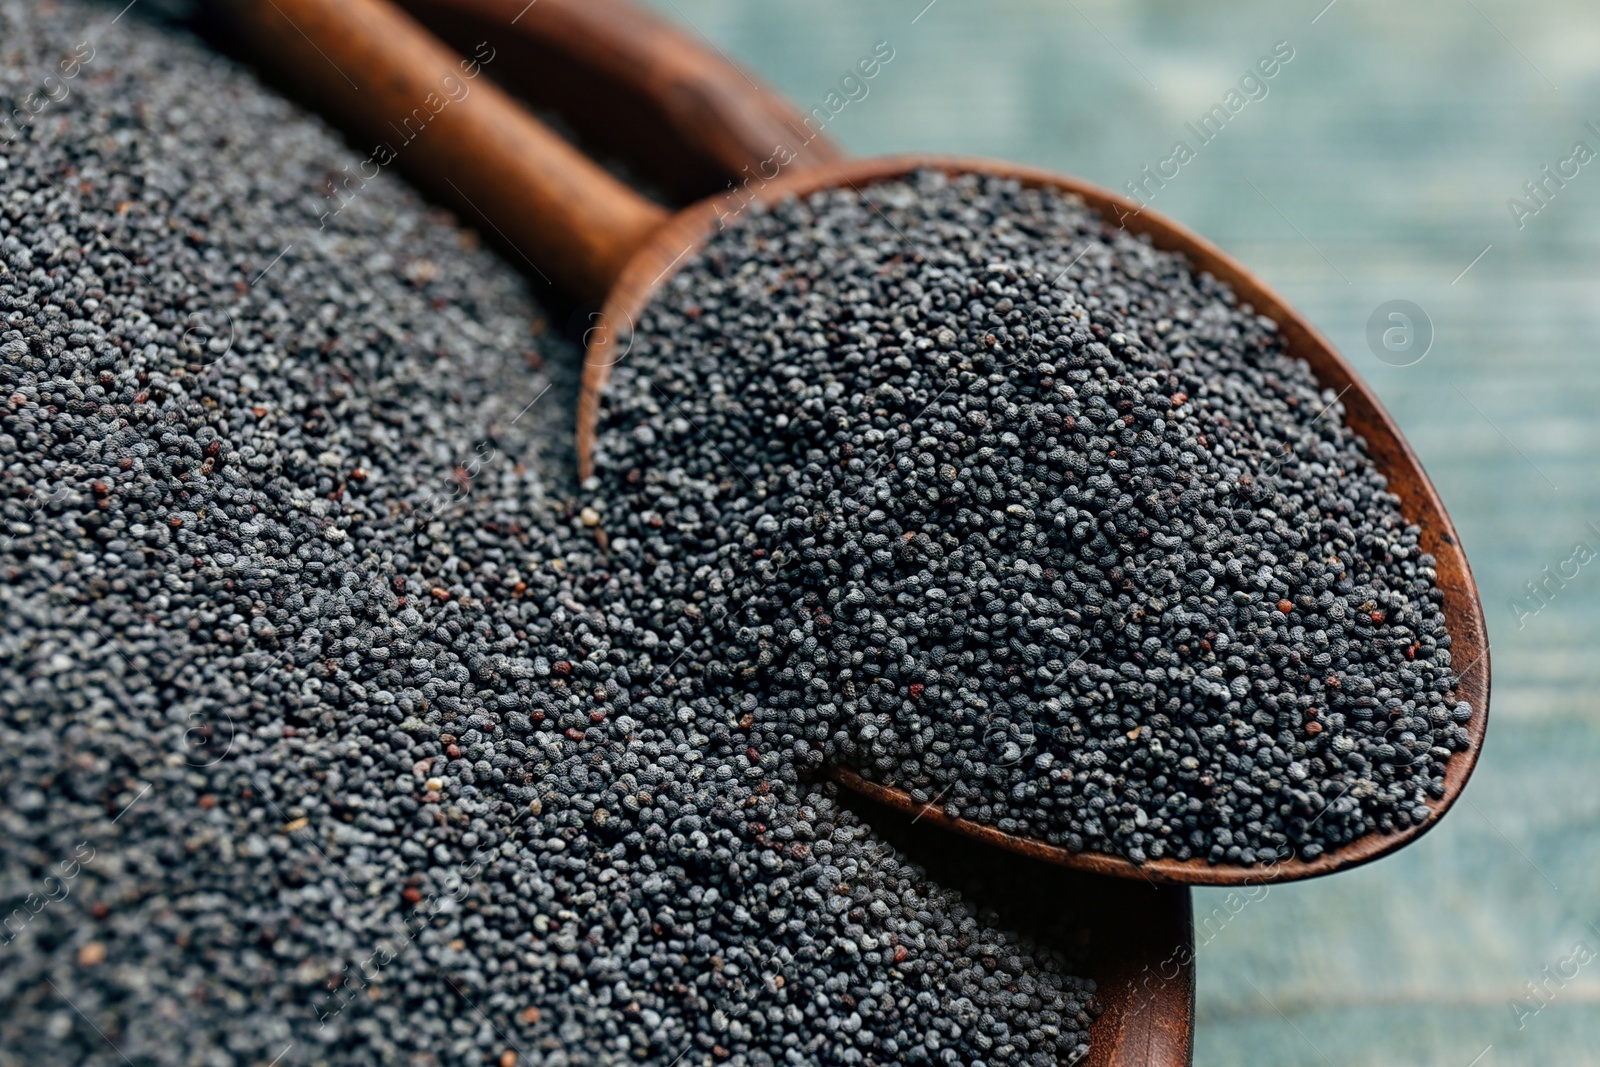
(598, 238)
(1419, 502)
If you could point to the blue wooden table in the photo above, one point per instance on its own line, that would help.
(1399, 154)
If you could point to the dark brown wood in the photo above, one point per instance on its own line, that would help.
(1141, 957)
(432, 114)
(635, 87)
(1136, 941)
(1420, 503)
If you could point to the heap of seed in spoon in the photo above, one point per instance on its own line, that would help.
(330, 738)
(993, 502)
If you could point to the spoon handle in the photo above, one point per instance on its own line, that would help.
(431, 113)
(635, 86)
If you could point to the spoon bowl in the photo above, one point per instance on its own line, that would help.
(678, 240)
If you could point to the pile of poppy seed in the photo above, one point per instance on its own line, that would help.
(988, 500)
(331, 736)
